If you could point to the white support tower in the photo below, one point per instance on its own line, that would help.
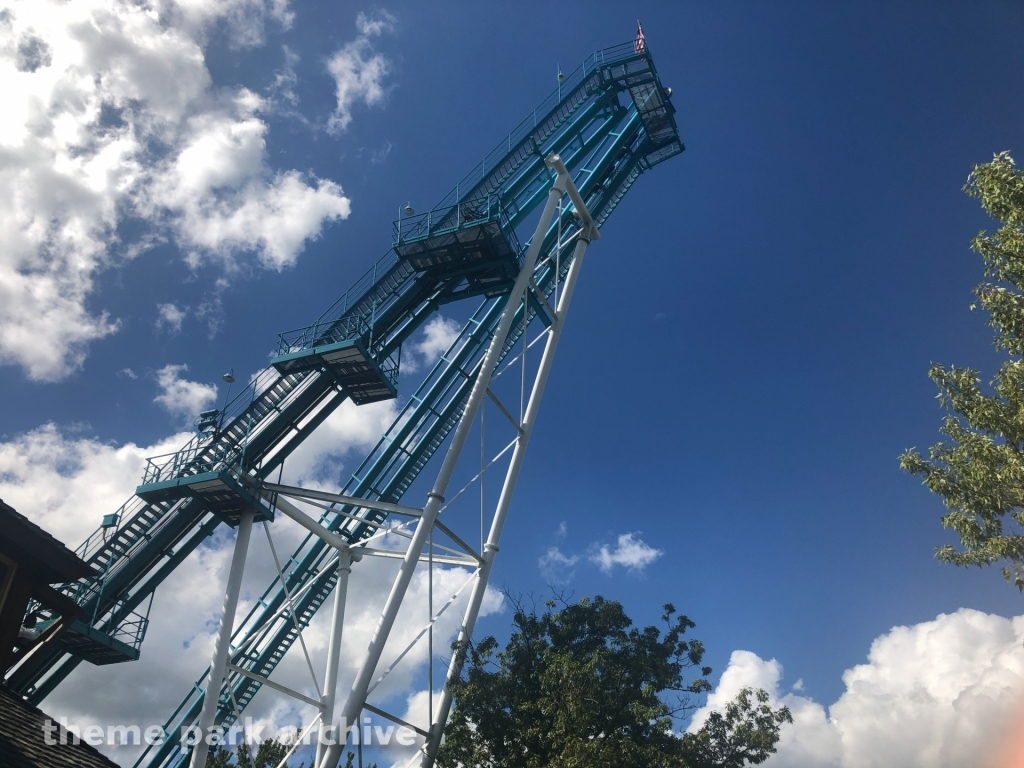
(420, 548)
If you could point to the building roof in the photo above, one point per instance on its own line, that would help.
(22, 743)
(50, 559)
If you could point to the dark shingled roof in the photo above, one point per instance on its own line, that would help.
(51, 559)
(22, 744)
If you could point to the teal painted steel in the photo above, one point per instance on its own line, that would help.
(610, 121)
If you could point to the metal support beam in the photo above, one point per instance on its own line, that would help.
(440, 715)
(357, 695)
(397, 554)
(392, 718)
(340, 498)
(345, 559)
(218, 665)
(311, 525)
(544, 299)
(276, 686)
(504, 410)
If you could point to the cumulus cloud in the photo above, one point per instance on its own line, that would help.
(111, 115)
(66, 483)
(170, 317)
(434, 339)
(630, 552)
(358, 70)
(351, 430)
(285, 81)
(180, 397)
(243, 21)
(933, 695)
(556, 567)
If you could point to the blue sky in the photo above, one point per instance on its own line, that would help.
(748, 348)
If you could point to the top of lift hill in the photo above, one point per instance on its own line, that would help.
(471, 223)
(469, 232)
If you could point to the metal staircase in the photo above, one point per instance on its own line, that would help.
(610, 120)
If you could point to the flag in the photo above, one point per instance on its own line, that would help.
(641, 42)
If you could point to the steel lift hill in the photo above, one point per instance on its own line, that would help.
(574, 158)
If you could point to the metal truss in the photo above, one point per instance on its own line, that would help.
(607, 123)
(420, 544)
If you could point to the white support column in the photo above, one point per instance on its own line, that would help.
(444, 703)
(334, 651)
(218, 666)
(357, 696)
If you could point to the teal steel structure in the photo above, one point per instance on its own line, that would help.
(610, 120)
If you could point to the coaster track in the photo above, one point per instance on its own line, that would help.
(610, 121)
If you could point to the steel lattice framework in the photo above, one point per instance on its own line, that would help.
(574, 158)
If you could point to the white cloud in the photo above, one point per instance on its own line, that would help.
(630, 551)
(376, 25)
(67, 483)
(435, 338)
(181, 397)
(557, 567)
(934, 695)
(438, 335)
(111, 114)
(170, 317)
(352, 429)
(220, 200)
(359, 71)
(285, 80)
(244, 21)
(380, 154)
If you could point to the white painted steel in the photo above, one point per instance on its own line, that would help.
(440, 717)
(276, 686)
(299, 740)
(340, 498)
(311, 525)
(357, 695)
(589, 231)
(218, 665)
(334, 647)
(397, 554)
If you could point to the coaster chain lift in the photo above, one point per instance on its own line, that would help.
(607, 123)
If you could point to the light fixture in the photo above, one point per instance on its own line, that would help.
(229, 377)
(408, 210)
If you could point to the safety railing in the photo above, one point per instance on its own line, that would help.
(206, 451)
(389, 367)
(131, 630)
(467, 213)
(323, 331)
(194, 459)
(573, 80)
(333, 323)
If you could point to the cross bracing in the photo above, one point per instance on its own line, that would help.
(609, 121)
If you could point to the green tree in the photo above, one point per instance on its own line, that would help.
(581, 687)
(979, 472)
(268, 755)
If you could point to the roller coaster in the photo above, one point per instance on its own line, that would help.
(572, 160)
